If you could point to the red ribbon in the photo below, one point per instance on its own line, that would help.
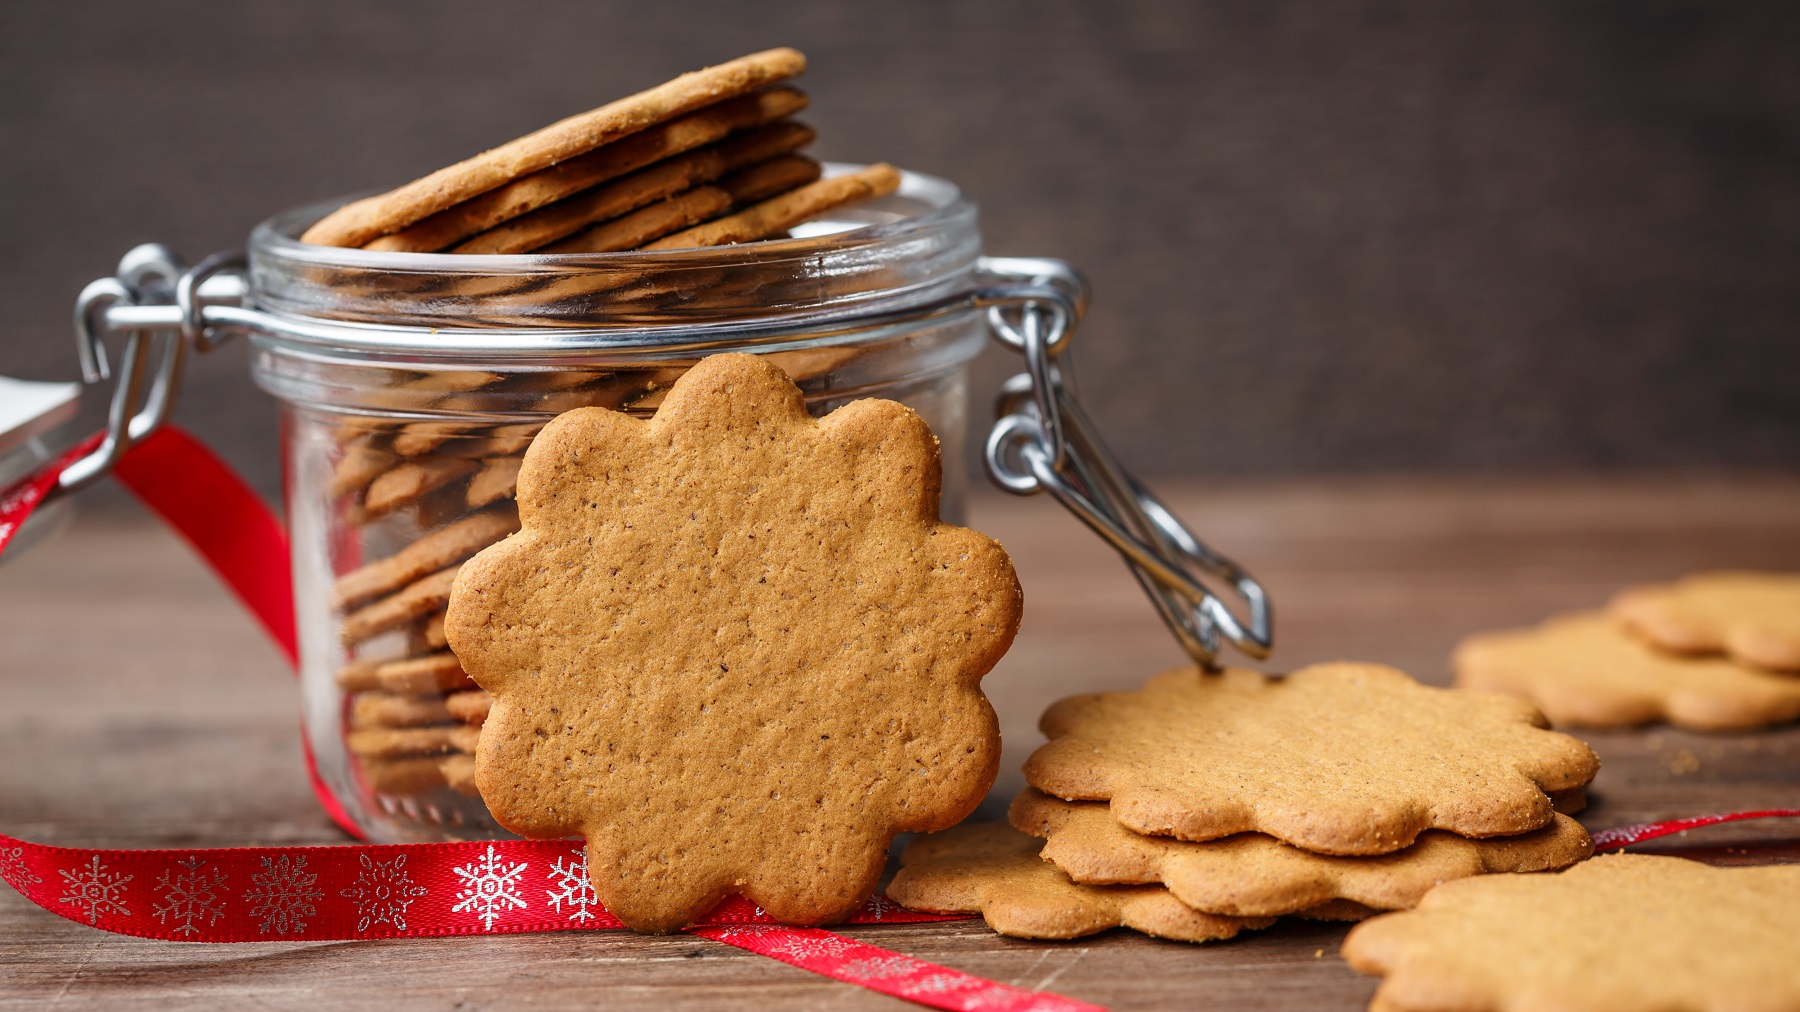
(244, 894)
(416, 890)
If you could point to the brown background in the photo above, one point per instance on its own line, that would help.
(1325, 238)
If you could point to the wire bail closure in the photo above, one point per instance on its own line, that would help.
(159, 305)
(1043, 441)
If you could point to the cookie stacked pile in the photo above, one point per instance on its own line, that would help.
(1208, 803)
(710, 158)
(1714, 652)
(706, 159)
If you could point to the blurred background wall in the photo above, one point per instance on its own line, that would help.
(1325, 237)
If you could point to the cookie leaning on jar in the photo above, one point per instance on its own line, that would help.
(710, 158)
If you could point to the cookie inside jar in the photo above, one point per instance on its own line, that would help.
(413, 383)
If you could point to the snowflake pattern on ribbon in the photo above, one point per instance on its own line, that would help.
(14, 871)
(490, 887)
(382, 892)
(877, 907)
(879, 968)
(190, 896)
(572, 887)
(283, 895)
(93, 890)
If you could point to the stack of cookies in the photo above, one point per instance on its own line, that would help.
(1713, 652)
(710, 158)
(1208, 803)
(704, 160)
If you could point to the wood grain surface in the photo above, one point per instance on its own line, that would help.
(143, 709)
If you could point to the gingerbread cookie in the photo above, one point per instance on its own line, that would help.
(1334, 758)
(357, 223)
(734, 647)
(1754, 618)
(1615, 934)
(1252, 875)
(663, 145)
(451, 543)
(1583, 669)
(658, 182)
(775, 216)
(991, 869)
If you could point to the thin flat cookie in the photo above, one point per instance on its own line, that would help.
(1334, 758)
(1621, 933)
(357, 223)
(773, 217)
(993, 870)
(734, 647)
(659, 144)
(1253, 875)
(1753, 618)
(1582, 669)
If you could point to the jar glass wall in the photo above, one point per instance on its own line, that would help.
(412, 383)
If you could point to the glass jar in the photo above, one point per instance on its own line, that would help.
(412, 383)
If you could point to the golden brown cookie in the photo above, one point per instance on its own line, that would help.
(422, 596)
(734, 647)
(360, 464)
(470, 707)
(409, 775)
(1752, 617)
(1253, 875)
(496, 480)
(428, 675)
(662, 145)
(1583, 669)
(458, 772)
(1334, 758)
(1620, 933)
(410, 482)
(433, 551)
(390, 709)
(357, 223)
(767, 179)
(992, 869)
(641, 226)
(658, 182)
(393, 742)
(773, 217)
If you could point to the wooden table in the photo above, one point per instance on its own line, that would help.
(143, 709)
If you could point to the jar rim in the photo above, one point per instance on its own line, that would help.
(915, 246)
(934, 202)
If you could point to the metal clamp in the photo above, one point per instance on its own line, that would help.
(159, 306)
(1043, 441)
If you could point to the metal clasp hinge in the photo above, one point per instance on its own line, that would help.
(158, 304)
(1043, 441)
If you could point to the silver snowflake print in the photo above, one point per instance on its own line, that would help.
(94, 890)
(13, 870)
(383, 891)
(939, 983)
(880, 967)
(490, 887)
(190, 896)
(877, 907)
(810, 943)
(572, 887)
(282, 895)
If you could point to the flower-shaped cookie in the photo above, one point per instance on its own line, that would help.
(1621, 933)
(734, 648)
(1754, 618)
(1253, 875)
(992, 869)
(1581, 668)
(1334, 758)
